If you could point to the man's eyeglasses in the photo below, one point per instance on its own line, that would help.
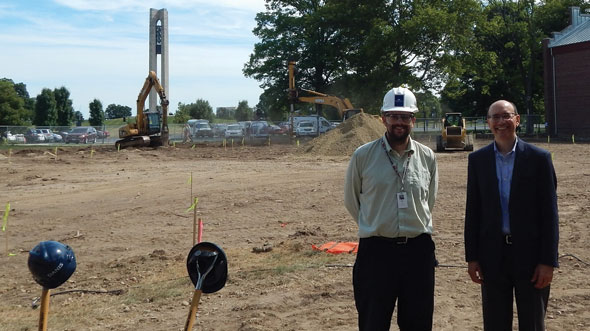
(406, 118)
(505, 116)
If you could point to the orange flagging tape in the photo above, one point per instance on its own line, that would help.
(337, 247)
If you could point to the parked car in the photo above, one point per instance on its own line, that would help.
(33, 136)
(275, 129)
(306, 128)
(82, 134)
(259, 129)
(101, 134)
(285, 126)
(51, 136)
(57, 137)
(18, 138)
(200, 128)
(246, 126)
(219, 129)
(234, 131)
(64, 135)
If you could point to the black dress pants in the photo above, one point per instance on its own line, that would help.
(497, 299)
(385, 272)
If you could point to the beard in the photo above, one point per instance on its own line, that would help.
(398, 137)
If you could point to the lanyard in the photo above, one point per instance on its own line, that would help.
(402, 176)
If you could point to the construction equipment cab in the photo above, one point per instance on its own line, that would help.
(454, 135)
(147, 130)
(344, 106)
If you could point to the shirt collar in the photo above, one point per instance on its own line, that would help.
(411, 145)
(496, 147)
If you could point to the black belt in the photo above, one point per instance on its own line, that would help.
(508, 239)
(399, 240)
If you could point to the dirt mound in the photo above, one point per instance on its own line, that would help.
(348, 136)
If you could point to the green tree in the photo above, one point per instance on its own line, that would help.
(244, 112)
(505, 59)
(201, 109)
(225, 112)
(181, 115)
(359, 48)
(117, 111)
(12, 111)
(21, 90)
(63, 104)
(96, 117)
(45, 109)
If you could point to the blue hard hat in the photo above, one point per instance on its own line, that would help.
(51, 263)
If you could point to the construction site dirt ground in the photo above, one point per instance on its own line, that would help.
(124, 213)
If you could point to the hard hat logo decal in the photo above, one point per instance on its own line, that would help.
(399, 100)
(55, 270)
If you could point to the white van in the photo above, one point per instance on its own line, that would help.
(324, 124)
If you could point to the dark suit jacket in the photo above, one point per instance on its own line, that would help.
(532, 209)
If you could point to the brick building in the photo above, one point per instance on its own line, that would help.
(566, 59)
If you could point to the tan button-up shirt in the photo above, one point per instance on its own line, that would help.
(371, 187)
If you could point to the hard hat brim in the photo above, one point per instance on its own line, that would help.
(402, 109)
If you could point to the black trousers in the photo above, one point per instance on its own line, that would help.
(385, 272)
(497, 298)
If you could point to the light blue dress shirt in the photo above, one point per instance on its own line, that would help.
(504, 168)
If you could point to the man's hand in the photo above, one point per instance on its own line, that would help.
(475, 272)
(542, 276)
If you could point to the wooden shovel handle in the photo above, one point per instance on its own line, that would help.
(193, 312)
(44, 309)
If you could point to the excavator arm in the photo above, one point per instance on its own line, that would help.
(344, 106)
(152, 81)
(147, 129)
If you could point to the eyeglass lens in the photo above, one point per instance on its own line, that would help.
(505, 116)
(397, 117)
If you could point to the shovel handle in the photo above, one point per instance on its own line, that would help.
(44, 309)
(193, 312)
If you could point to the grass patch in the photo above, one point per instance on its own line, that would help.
(158, 292)
(284, 259)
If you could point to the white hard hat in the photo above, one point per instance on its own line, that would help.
(399, 99)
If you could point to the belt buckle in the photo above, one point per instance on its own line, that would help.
(402, 240)
(508, 239)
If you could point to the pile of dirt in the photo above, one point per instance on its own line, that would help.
(348, 136)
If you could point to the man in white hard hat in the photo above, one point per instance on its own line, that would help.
(390, 189)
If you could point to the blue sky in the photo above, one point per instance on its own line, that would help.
(99, 49)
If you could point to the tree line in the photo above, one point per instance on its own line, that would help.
(49, 108)
(54, 108)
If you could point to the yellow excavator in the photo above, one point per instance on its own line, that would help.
(454, 136)
(147, 130)
(344, 106)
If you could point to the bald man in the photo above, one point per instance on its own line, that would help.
(511, 224)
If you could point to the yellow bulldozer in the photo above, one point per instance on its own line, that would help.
(151, 127)
(454, 136)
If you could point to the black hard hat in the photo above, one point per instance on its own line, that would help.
(207, 261)
(51, 263)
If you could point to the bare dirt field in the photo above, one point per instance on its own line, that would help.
(125, 216)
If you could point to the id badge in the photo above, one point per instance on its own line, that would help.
(402, 200)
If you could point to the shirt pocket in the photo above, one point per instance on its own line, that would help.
(419, 183)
